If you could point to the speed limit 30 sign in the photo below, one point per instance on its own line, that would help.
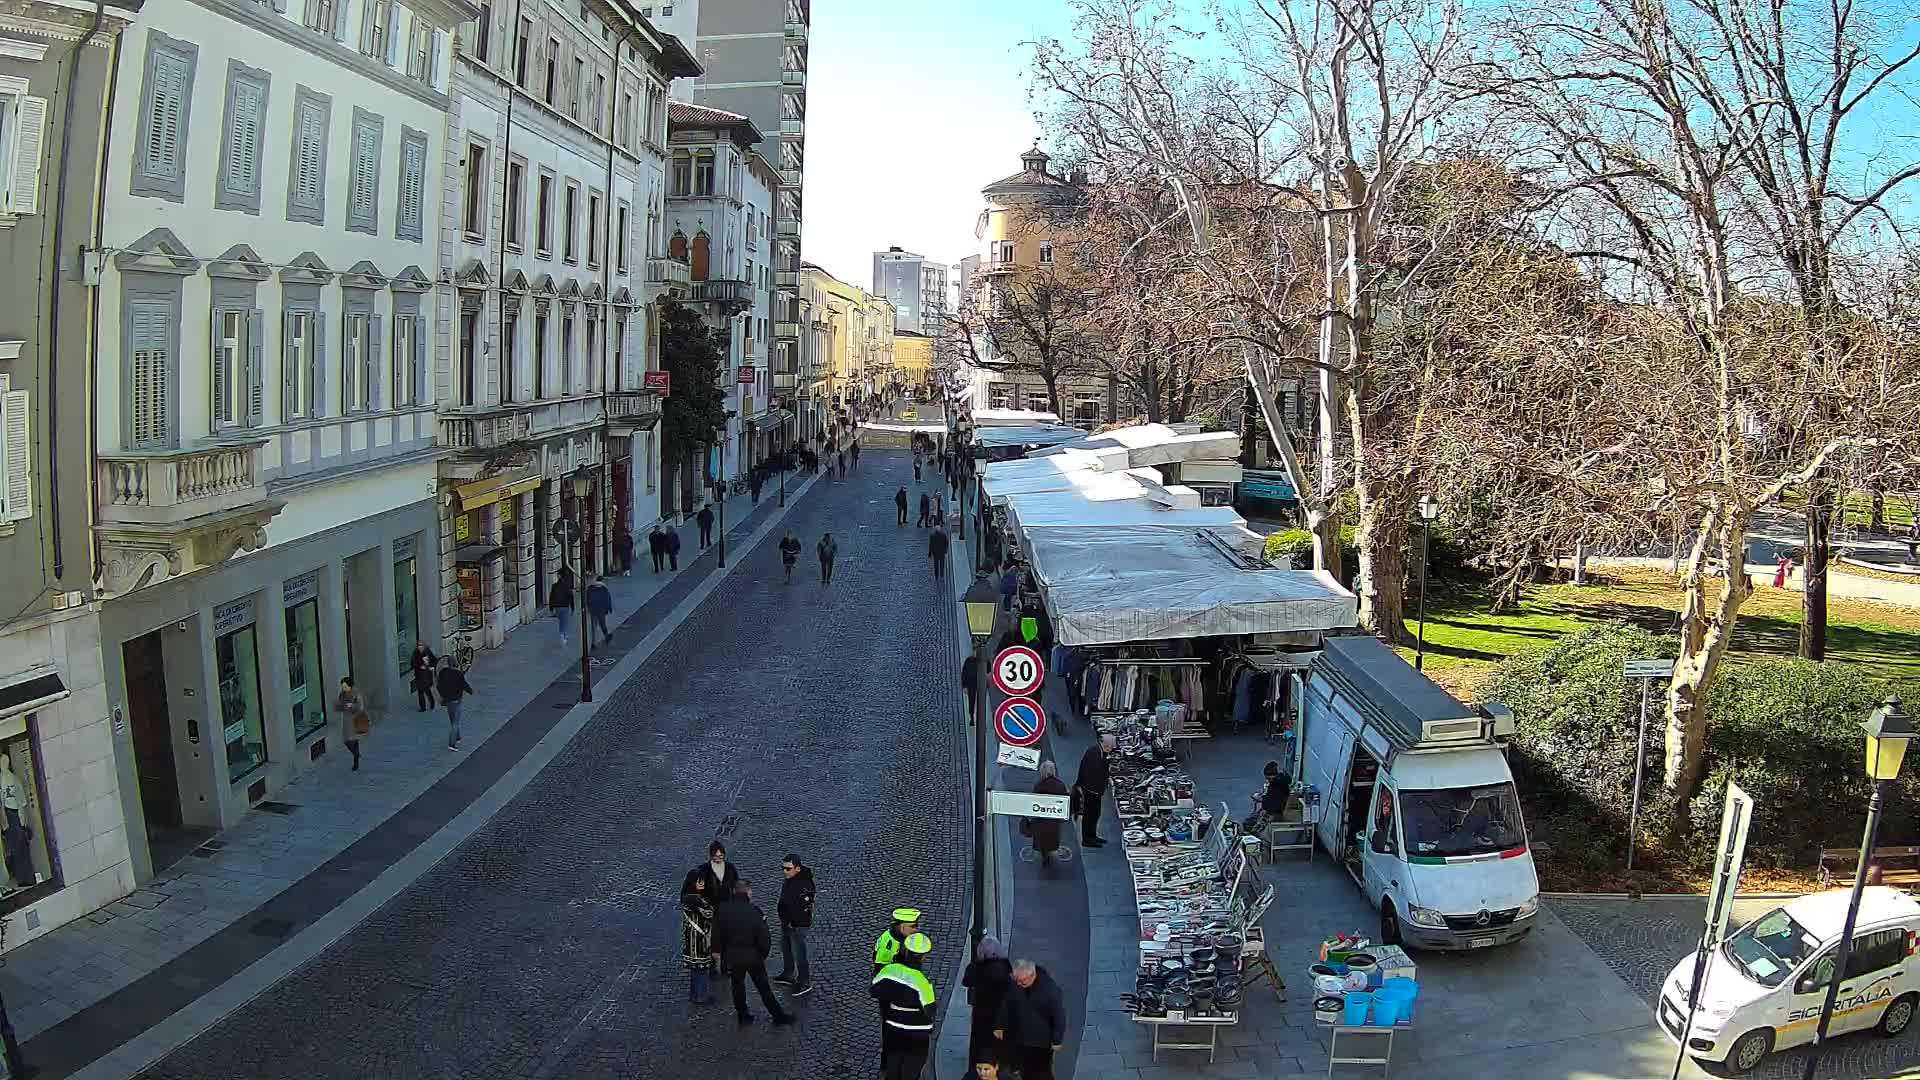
(1017, 671)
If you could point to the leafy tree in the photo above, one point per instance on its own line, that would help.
(695, 354)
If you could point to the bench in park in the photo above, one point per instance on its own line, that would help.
(1898, 865)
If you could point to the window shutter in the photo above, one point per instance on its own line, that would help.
(244, 136)
(163, 129)
(366, 153)
(421, 367)
(220, 387)
(411, 193)
(392, 49)
(372, 372)
(288, 373)
(256, 394)
(16, 453)
(151, 384)
(340, 20)
(316, 373)
(31, 123)
(309, 179)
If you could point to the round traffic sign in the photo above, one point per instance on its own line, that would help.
(1020, 721)
(1017, 670)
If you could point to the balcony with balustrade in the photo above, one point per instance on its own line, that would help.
(729, 296)
(629, 411)
(669, 276)
(164, 513)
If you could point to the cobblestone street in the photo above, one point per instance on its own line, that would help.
(781, 717)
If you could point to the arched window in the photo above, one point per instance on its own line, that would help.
(677, 247)
(700, 255)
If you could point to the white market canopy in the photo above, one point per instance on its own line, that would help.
(1013, 417)
(1155, 444)
(1092, 484)
(1075, 508)
(1037, 434)
(1118, 584)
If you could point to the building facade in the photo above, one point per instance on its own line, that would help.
(720, 221)
(916, 286)
(64, 788)
(264, 355)
(552, 256)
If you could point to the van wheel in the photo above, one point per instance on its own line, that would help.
(1390, 926)
(1749, 1051)
(1897, 1017)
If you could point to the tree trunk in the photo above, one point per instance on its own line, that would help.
(1878, 521)
(1706, 630)
(1813, 597)
(1381, 537)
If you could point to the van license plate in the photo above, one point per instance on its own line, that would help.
(1480, 943)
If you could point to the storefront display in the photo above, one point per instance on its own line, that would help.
(510, 540)
(23, 830)
(406, 600)
(236, 661)
(306, 690)
(473, 603)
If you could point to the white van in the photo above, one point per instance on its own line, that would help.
(1417, 800)
(1766, 984)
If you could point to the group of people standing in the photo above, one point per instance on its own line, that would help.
(723, 931)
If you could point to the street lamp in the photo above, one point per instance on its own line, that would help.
(582, 483)
(1429, 508)
(982, 602)
(1888, 730)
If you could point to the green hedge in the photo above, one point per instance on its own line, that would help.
(1449, 557)
(1787, 731)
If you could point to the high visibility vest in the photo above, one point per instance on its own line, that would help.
(885, 948)
(906, 1001)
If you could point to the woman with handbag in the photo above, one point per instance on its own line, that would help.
(354, 721)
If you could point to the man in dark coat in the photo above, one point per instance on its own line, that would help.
(705, 518)
(1092, 782)
(740, 937)
(796, 918)
(1033, 1021)
(937, 550)
(926, 510)
(657, 547)
(900, 505)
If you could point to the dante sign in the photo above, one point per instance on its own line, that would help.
(1027, 804)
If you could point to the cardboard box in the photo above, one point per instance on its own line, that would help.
(1392, 962)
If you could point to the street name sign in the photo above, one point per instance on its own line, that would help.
(1020, 721)
(1017, 671)
(1019, 756)
(1027, 804)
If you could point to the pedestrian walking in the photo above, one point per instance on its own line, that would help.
(1045, 832)
(826, 549)
(623, 551)
(969, 680)
(916, 466)
(900, 505)
(673, 549)
(599, 606)
(657, 546)
(721, 877)
(939, 507)
(705, 518)
(1032, 1021)
(354, 721)
(740, 935)
(906, 1011)
(696, 937)
(560, 602)
(796, 918)
(1091, 786)
(855, 451)
(453, 691)
(1009, 584)
(789, 553)
(986, 980)
(926, 510)
(423, 664)
(841, 457)
(937, 544)
(753, 486)
(1780, 570)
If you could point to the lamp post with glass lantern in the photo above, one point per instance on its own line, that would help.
(582, 483)
(1888, 730)
(982, 604)
(1429, 508)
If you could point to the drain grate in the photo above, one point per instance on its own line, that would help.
(272, 807)
(277, 929)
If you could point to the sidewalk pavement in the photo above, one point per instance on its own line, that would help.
(54, 977)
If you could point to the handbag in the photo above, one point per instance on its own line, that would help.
(362, 723)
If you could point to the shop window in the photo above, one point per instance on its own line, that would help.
(306, 686)
(23, 832)
(1000, 396)
(1087, 407)
(1037, 401)
(236, 662)
(406, 608)
(510, 539)
(472, 596)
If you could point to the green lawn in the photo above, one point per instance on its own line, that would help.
(1896, 510)
(1464, 640)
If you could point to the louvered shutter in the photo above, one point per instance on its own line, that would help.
(340, 20)
(244, 136)
(16, 453)
(163, 123)
(365, 153)
(151, 387)
(316, 373)
(411, 190)
(372, 371)
(256, 393)
(289, 369)
(420, 364)
(307, 183)
(220, 387)
(31, 124)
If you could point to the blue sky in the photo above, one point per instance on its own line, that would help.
(912, 107)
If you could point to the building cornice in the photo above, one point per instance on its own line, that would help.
(289, 32)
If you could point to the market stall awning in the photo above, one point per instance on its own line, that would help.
(771, 419)
(1157, 444)
(1014, 417)
(1089, 483)
(1024, 435)
(1073, 508)
(1143, 583)
(478, 493)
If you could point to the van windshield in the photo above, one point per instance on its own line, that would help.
(1444, 822)
(1770, 948)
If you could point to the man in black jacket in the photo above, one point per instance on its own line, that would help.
(1033, 1021)
(740, 937)
(453, 687)
(1092, 783)
(796, 918)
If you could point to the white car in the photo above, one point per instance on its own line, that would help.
(1766, 984)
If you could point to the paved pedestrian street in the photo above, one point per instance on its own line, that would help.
(777, 717)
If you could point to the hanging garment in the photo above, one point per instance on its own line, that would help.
(1242, 699)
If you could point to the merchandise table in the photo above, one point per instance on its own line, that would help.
(1352, 1031)
(1212, 1025)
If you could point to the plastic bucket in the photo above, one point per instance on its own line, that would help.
(1354, 1012)
(1362, 964)
(1393, 1002)
(1326, 1010)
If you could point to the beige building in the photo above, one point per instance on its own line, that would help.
(852, 333)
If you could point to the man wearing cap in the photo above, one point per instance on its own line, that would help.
(906, 921)
(906, 1010)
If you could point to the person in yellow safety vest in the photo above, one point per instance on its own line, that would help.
(906, 1011)
(906, 921)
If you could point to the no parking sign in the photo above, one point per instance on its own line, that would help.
(1020, 721)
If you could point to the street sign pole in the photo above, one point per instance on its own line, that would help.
(1645, 671)
(1734, 821)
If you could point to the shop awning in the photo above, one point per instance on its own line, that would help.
(771, 419)
(478, 493)
(475, 554)
(30, 689)
(1088, 483)
(1110, 509)
(1144, 583)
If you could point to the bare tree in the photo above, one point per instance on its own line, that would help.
(1034, 319)
(1650, 142)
